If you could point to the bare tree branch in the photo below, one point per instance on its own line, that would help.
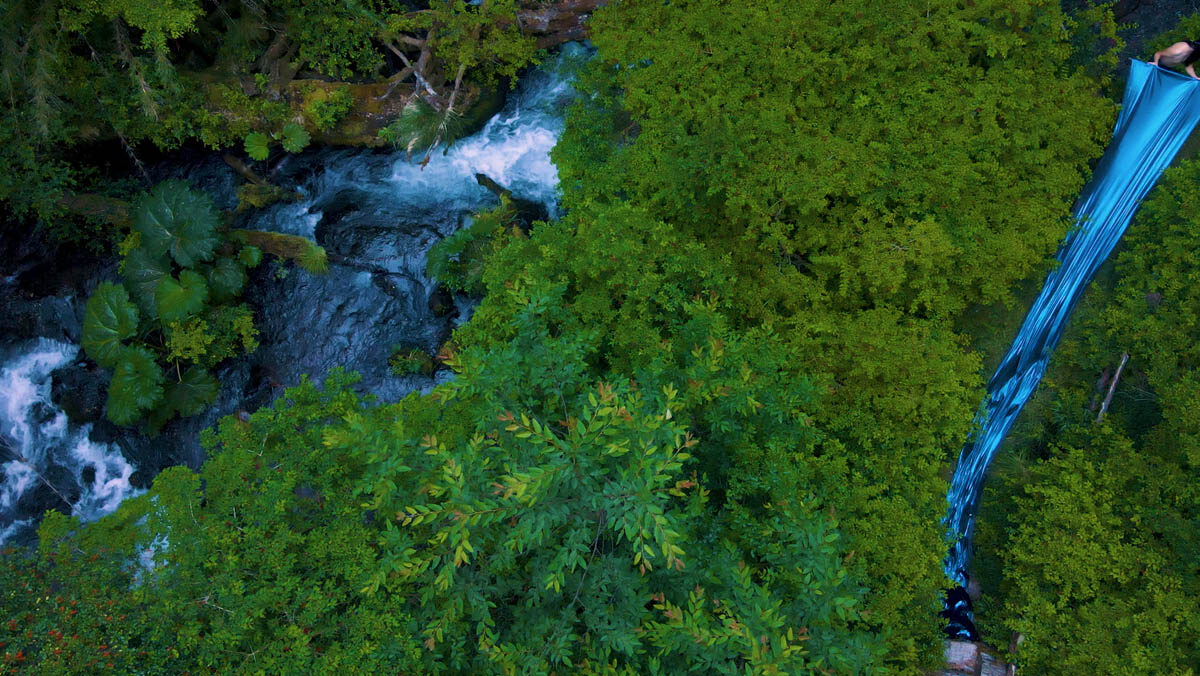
(1112, 386)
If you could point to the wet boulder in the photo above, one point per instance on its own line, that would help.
(441, 302)
(527, 211)
(80, 391)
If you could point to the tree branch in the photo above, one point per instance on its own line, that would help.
(246, 172)
(457, 83)
(416, 70)
(1112, 386)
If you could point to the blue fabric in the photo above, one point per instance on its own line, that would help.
(1159, 111)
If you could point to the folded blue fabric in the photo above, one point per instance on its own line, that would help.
(1159, 111)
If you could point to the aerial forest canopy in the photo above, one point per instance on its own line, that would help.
(702, 422)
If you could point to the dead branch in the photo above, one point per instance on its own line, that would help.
(416, 70)
(395, 82)
(246, 172)
(21, 459)
(1112, 386)
(457, 83)
(410, 40)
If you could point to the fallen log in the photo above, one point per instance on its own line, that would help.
(241, 168)
(99, 207)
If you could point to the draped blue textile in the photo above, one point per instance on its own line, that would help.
(1159, 110)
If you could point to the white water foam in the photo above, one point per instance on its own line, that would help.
(513, 149)
(37, 438)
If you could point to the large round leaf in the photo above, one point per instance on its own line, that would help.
(258, 145)
(178, 299)
(250, 256)
(226, 279)
(177, 220)
(136, 386)
(143, 272)
(110, 318)
(193, 393)
(295, 138)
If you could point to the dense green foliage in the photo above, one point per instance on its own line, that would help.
(253, 566)
(703, 421)
(533, 520)
(76, 72)
(178, 309)
(458, 260)
(879, 150)
(864, 184)
(1090, 541)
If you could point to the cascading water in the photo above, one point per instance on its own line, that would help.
(46, 460)
(377, 214)
(1160, 109)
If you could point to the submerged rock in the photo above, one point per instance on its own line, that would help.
(441, 302)
(42, 286)
(80, 390)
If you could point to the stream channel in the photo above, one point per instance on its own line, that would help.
(376, 214)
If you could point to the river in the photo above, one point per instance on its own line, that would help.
(376, 213)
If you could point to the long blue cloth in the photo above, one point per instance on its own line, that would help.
(1159, 111)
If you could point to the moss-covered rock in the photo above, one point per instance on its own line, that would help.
(333, 113)
(258, 195)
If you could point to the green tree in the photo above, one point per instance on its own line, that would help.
(523, 518)
(865, 177)
(881, 150)
(1097, 573)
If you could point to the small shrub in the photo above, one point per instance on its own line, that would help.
(326, 108)
(457, 261)
(175, 315)
(411, 361)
